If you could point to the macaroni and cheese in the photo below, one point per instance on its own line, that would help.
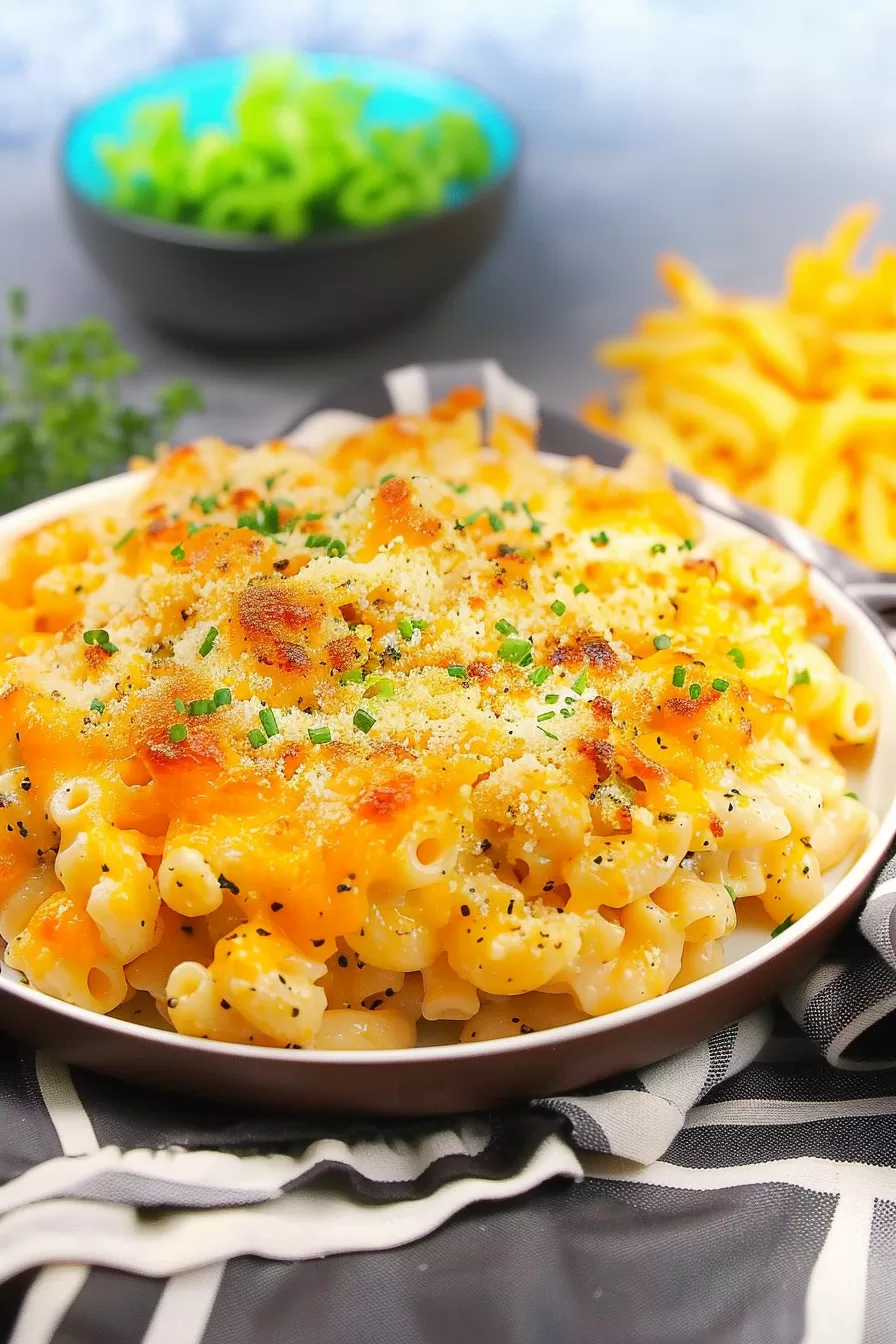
(313, 747)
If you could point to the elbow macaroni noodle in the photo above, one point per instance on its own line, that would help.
(312, 749)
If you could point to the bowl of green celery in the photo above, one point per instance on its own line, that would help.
(282, 199)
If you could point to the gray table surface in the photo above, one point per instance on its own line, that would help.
(724, 130)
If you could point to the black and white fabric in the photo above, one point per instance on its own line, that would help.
(743, 1192)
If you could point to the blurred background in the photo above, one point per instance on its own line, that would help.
(726, 131)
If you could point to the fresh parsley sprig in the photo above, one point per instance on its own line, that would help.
(62, 417)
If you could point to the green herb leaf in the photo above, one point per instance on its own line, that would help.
(319, 736)
(363, 720)
(457, 671)
(256, 737)
(580, 683)
(785, 924)
(694, 691)
(736, 657)
(208, 643)
(177, 732)
(662, 642)
(581, 588)
(514, 650)
(558, 607)
(178, 552)
(123, 541)
(731, 892)
(600, 539)
(98, 706)
(223, 696)
(268, 722)
(720, 684)
(505, 628)
(802, 678)
(678, 677)
(657, 548)
(539, 676)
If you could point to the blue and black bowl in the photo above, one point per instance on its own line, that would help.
(250, 290)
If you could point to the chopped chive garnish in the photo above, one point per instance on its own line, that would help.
(123, 541)
(208, 643)
(419, 625)
(720, 684)
(256, 737)
(785, 924)
(98, 706)
(177, 732)
(551, 699)
(514, 649)
(268, 722)
(600, 539)
(580, 683)
(534, 525)
(96, 636)
(539, 676)
(528, 660)
(678, 677)
(496, 522)
(543, 718)
(177, 552)
(318, 539)
(662, 642)
(581, 588)
(455, 670)
(850, 794)
(354, 674)
(736, 657)
(460, 489)
(264, 518)
(363, 720)
(383, 688)
(558, 607)
(687, 545)
(389, 476)
(569, 699)
(694, 691)
(320, 735)
(312, 517)
(207, 503)
(180, 706)
(336, 547)
(731, 892)
(802, 678)
(193, 528)
(198, 708)
(505, 628)
(223, 696)
(472, 517)
(508, 506)
(405, 628)
(552, 736)
(657, 548)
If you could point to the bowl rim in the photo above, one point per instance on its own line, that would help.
(325, 240)
(117, 489)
